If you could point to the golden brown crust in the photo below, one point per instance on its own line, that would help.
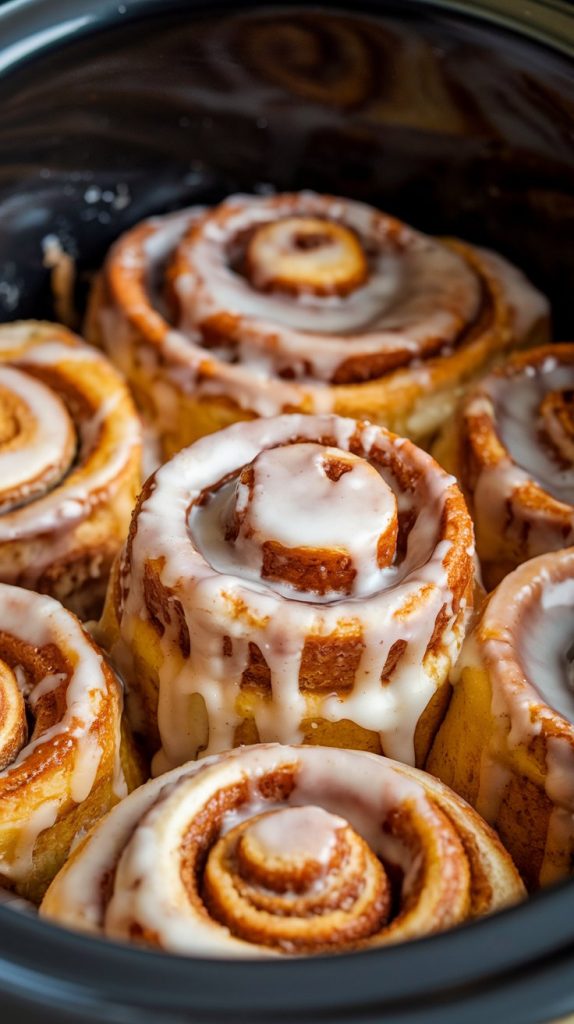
(191, 381)
(502, 745)
(60, 774)
(291, 644)
(516, 515)
(260, 862)
(60, 537)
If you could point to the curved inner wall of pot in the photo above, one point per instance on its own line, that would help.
(455, 127)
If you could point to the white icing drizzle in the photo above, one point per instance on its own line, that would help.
(46, 685)
(69, 495)
(412, 593)
(547, 637)
(25, 685)
(143, 837)
(41, 463)
(383, 315)
(418, 291)
(316, 508)
(85, 769)
(306, 833)
(526, 305)
(512, 402)
(295, 503)
(523, 640)
(517, 404)
(42, 817)
(37, 621)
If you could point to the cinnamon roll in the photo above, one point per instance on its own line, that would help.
(507, 742)
(63, 761)
(273, 850)
(302, 302)
(511, 445)
(293, 579)
(69, 464)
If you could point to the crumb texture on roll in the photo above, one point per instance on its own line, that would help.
(275, 850)
(511, 445)
(507, 742)
(303, 303)
(69, 464)
(63, 762)
(298, 579)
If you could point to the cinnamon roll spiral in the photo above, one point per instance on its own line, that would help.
(511, 445)
(273, 850)
(507, 742)
(63, 762)
(325, 60)
(298, 578)
(69, 464)
(303, 302)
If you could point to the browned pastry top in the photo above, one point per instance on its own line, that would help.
(272, 850)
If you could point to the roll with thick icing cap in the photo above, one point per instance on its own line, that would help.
(292, 579)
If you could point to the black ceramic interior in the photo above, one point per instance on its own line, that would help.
(458, 117)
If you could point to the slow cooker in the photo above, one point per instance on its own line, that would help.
(110, 111)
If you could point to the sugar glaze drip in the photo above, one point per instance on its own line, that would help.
(519, 415)
(524, 641)
(186, 303)
(244, 883)
(221, 598)
(300, 501)
(39, 439)
(33, 622)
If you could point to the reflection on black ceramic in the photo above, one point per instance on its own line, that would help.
(447, 124)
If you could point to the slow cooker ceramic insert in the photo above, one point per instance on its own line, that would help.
(454, 116)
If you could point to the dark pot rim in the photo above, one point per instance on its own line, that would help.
(29, 26)
(522, 957)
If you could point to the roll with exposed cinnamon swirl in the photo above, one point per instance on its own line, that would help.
(298, 578)
(511, 445)
(273, 850)
(63, 762)
(69, 464)
(303, 302)
(507, 742)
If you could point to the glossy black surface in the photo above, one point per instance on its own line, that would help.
(117, 110)
(515, 968)
(454, 127)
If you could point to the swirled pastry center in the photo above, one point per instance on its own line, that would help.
(289, 878)
(310, 518)
(296, 834)
(312, 254)
(37, 438)
(255, 278)
(59, 713)
(535, 421)
(273, 850)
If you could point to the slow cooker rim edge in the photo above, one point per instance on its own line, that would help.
(561, 898)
